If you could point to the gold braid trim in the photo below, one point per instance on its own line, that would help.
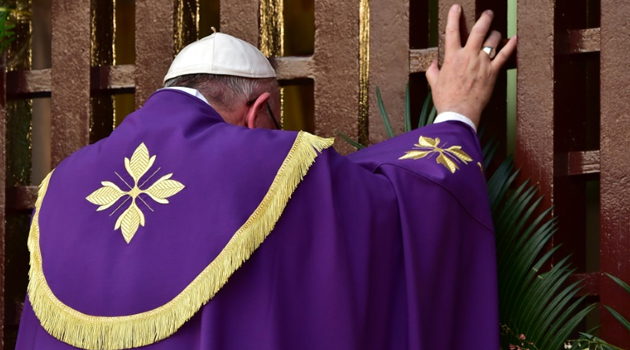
(124, 332)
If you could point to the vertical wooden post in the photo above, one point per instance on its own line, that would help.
(154, 45)
(336, 68)
(615, 161)
(240, 19)
(535, 103)
(70, 81)
(575, 85)
(389, 63)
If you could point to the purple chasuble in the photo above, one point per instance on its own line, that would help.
(370, 252)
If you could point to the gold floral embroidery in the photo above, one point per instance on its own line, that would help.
(449, 157)
(132, 218)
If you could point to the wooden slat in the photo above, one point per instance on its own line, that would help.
(22, 197)
(25, 83)
(534, 123)
(70, 78)
(420, 59)
(615, 162)
(336, 69)
(583, 40)
(154, 45)
(290, 68)
(112, 78)
(240, 19)
(577, 163)
(29, 82)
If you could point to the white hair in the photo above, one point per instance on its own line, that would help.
(226, 90)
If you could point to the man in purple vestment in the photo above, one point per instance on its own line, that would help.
(194, 226)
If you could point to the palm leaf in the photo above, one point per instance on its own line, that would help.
(589, 341)
(539, 305)
(619, 317)
(424, 114)
(381, 107)
(432, 116)
(426, 117)
(621, 283)
(349, 140)
(7, 35)
(616, 314)
(407, 109)
(489, 150)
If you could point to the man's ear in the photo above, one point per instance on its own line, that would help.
(257, 110)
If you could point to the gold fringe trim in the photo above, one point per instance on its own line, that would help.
(124, 332)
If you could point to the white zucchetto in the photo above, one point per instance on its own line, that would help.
(221, 54)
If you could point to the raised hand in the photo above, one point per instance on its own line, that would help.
(464, 84)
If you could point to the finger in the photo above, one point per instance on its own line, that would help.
(493, 41)
(479, 31)
(452, 40)
(432, 73)
(504, 54)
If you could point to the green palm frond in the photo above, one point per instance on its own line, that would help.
(381, 108)
(426, 117)
(7, 35)
(407, 109)
(587, 341)
(616, 314)
(536, 304)
(347, 138)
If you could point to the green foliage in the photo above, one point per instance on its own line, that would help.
(407, 109)
(588, 341)
(352, 143)
(381, 108)
(538, 305)
(615, 314)
(7, 35)
(426, 117)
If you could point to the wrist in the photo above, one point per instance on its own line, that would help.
(467, 113)
(452, 116)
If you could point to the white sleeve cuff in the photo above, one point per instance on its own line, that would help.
(446, 116)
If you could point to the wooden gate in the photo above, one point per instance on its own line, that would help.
(573, 99)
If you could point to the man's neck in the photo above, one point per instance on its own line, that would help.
(191, 91)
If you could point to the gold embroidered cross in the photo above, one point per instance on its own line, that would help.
(132, 218)
(427, 146)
